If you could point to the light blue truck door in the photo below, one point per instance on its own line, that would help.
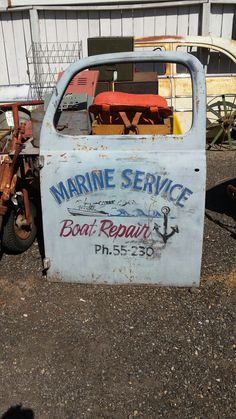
(124, 209)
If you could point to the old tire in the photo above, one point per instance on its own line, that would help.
(16, 238)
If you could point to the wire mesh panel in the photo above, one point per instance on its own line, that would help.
(45, 60)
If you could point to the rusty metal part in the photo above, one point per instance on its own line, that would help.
(9, 165)
(26, 206)
(21, 103)
(15, 115)
(3, 210)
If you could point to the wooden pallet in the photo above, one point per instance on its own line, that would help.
(113, 129)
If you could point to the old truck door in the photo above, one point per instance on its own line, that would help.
(124, 208)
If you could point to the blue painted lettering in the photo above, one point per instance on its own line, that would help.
(185, 194)
(148, 183)
(126, 176)
(167, 187)
(80, 180)
(72, 188)
(97, 179)
(88, 181)
(137, 180)
(60, 193)
(160, 184)
(179, 188)
(109, 174)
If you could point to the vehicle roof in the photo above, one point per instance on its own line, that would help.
(226, 44)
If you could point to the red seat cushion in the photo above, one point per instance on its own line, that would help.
(119, 101)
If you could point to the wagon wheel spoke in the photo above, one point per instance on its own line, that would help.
(214, 124)
(233, 111)
(224, 105)
(217, 114)
(219, 133)
(221, 120)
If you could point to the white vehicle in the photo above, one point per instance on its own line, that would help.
(218, 57)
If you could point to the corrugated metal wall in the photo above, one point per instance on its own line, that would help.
(74, 25)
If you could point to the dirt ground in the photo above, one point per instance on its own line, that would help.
(79, 351)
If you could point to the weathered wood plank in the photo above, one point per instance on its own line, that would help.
(4, 76)
(43, 22)
(10, 49)
(72, 27)
(127, 23)
(116, 23)
(20, 51)
(194, 13)
(171, 21)
(149, 22)
(216, 19)
(138, 23)
(183, 21)
(83, 31)
(105, 23)
(93, 24)
(61, 26)
(229, 11)
(160, 22)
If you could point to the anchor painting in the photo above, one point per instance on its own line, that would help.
(165, 235)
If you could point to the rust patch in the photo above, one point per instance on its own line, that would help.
(89, 148)
(158, 38)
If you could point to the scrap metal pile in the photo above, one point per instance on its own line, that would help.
(17, 176)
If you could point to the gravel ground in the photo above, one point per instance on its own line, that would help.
(79, 351)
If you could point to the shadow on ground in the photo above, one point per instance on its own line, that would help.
(18, 412)
(218, 200)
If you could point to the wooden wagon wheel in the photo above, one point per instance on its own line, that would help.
(221, 121)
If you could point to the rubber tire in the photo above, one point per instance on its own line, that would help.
(11, 242)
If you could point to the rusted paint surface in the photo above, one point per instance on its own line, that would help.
(148, 39)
